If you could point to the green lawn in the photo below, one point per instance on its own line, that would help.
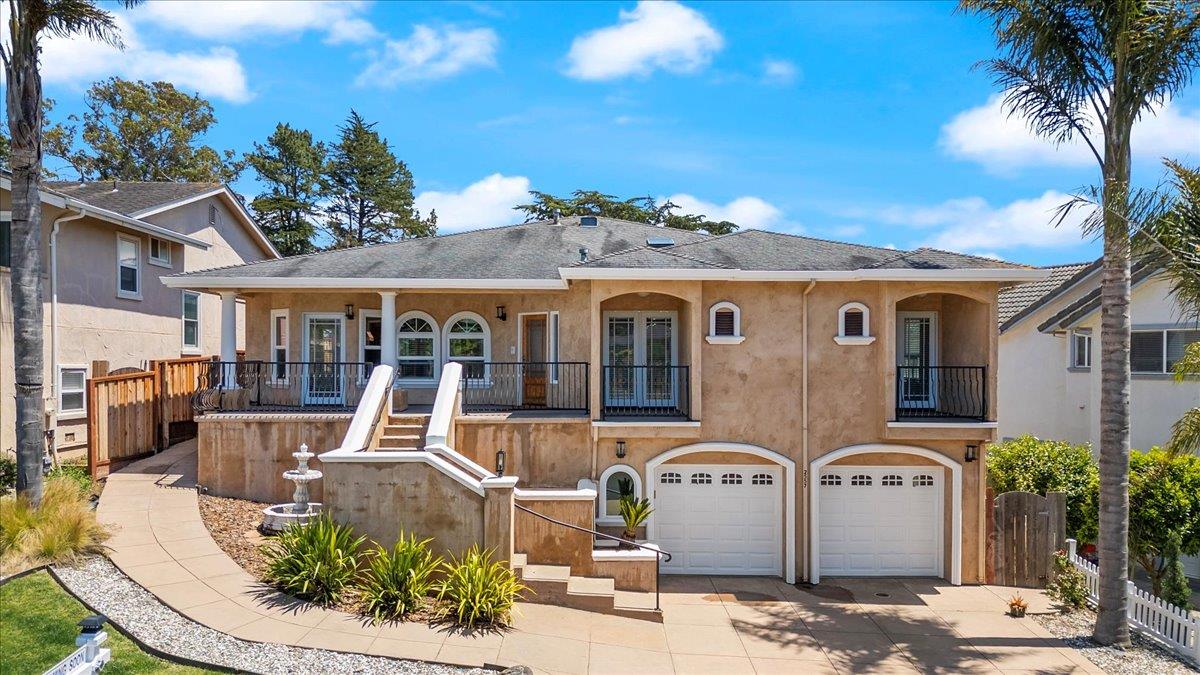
(38, 628)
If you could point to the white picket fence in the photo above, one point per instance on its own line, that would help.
(1148, 613)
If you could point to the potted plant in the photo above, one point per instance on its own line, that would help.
(634, 512)
(1017, 606)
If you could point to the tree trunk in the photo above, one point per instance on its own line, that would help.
(1112, 627)
(23, 100)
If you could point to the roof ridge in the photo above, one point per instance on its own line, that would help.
(971, 255)
(750, 230)
(653, 249)
(667, 251)
(900, 255)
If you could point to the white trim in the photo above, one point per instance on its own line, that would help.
(137, 242)
(372, 283)
(713, 338)
(442, 415)
(183, 320)
(487, 340)
(287, 343)
(581, 495)
(789, 490)
(554, 349)
(956, 500)
(416, 383)
(1072, 353)
(842, 338)
(603, 518)
(942, 425)
(71, 414)
(724, 339)
(853, 340)
(163, 244)
(239, 209)
(806, 275)
(624, 554)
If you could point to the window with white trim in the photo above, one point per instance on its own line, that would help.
(701, 479)
(892, 480)
(160, 252)
(279, 344)
(854, 324)
(129, 267)
(469, 342)
(1081, 349)
(72, 390)
(831, 479)
(724, 324)
(370, 339)
(1157, 351)
(190, 314)
(416, 348)
(765, 479)
(618, 482)
(922, 480)
(731, 479)
(860, 480)
(670, 478)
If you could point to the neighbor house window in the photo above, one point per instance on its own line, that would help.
(724, 324)
(854, 324)
(279, 344)
(1081, 349)
(416, 348)
(469, 342)
(370, 340)
(72, 383)
(160, 251)
(5, 238)
(618, 482)
(191, 321)
(129, 267)
(1157, 351)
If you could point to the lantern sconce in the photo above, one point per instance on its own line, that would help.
(500, 455)
(620, 449)
(972, 452)
(501, 313)
(350, 311)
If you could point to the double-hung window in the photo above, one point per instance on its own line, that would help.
(129, 267)
(72, 385)
(191, 321)
(1157, 351)
(1081, 349)
(279, 345)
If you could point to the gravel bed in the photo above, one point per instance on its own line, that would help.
(102, 586)
(1144, 656)
(233, 524)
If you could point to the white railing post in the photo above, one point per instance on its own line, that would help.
(1071, 550)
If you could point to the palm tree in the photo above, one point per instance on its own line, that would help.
(1086, 70)
(28, 20)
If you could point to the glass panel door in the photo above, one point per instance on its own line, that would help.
(621, 357)
(659, 377)
(324, 347)
(915, 359)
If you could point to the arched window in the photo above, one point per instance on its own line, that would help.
(854, 325)
(469, 342)
(416, 348)
(724, 324)
(617, 481)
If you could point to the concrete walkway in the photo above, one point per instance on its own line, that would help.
(710, 624)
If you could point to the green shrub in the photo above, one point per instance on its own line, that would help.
(634, 512)
(1175, 588)
(1067, 584)
(479, 590)
(397, 582)
(315, 561)
(78, 473)
(1033, 465)
(1164, 504)
(8, 474)
(60, 529)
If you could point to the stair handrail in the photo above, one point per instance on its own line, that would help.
(658, 552)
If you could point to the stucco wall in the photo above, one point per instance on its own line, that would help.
(543, 453)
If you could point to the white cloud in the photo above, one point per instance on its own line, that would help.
(653, 35)
(430, 54)
(78, 62)
(988, 135)
(747, 212)
(779, 72)
(240, 19)
(486, 203)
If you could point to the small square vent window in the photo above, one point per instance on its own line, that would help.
(588, 221)
(660, 242)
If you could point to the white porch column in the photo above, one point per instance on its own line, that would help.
(229, 336)
(387, 333)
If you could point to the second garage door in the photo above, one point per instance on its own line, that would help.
(719, 519)
(881, 521)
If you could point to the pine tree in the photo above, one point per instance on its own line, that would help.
(290, 164)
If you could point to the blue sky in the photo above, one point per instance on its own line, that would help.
(862, 122)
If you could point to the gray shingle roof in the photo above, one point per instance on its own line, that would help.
(1022, 300)
(937, 259)
(129, 198)
(1090, 302)
(647, 257)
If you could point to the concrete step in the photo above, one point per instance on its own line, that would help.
(407, 428)
(409, 418)
(555, 585)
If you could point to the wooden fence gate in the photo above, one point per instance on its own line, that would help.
(1028, 529)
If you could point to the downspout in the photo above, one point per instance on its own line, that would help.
(804, 533)
(54, 322)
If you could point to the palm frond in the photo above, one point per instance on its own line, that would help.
(1185, 434)
(1172, 239)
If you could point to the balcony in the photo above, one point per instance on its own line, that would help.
(281, 386)
(640, 392)
(941, 393)
(547, 386)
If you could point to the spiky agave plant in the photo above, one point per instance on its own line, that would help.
(634, 512)
(478, 589)
(314, 561)
(397, 581)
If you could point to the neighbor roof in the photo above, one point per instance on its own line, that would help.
(1021, 300)
(130, 198)
(1090, 302)
(545, 253)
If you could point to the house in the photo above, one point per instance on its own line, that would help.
(106, 245)
(791, 406)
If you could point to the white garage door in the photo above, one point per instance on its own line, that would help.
(720, 519)
(881, 521)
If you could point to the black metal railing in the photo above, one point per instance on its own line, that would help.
(281, 385)
(660, 556)
(941, 392)
(646, 391)
(508, 386)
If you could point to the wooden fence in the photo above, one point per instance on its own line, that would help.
(133, 415)
(1028, 529)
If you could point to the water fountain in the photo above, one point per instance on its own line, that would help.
(300, 510)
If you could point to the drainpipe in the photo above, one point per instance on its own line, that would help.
(54, 320)
(804, 533)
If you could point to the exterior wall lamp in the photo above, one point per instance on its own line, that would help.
(620, 449)
(501, 313)
(972, 452)
(350, 311)
(500, 462)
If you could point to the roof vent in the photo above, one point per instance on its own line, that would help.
(659, 242)
(588, 221)
(557, 216)
(583, 254)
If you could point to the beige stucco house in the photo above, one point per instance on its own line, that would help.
(106, 245)
(791, 407)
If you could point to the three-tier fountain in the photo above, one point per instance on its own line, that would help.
(300, 510)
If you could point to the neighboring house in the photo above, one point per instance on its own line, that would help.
(791, 406)
(106, 245)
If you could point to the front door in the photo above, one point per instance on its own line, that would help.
(324, 337)
(640, 352)
(533, 356)
(916, 359)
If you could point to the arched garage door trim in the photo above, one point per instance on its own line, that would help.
(814, 500)
(789, 490)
